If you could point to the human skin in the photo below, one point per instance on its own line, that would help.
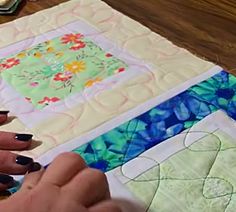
(67, 185)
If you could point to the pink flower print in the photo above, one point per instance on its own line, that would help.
(120, 70)
(46, 100)
(34, 84)
(9, 63)
(71, 38)
(67, 73)
(79, 45)
(109, 55)
(62, 76)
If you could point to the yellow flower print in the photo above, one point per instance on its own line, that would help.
(21, 55)
(91, 82)
(47, 42)
(75, 66)
(59, 54)
(50, 49)
(38, 54)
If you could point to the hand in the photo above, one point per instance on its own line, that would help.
(67, 185)
(11, 163)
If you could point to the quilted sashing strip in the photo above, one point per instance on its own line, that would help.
(52, 70)
(200, 177)
(166, 120)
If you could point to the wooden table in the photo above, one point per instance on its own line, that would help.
(205, 27)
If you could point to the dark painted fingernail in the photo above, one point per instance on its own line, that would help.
(23, 137)
(34, 167)
(22, 160)
(4, 112)
(6, 179)
(4, 195)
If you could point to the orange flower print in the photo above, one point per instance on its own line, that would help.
(38, 55)
(91, 82)
(75, 67)
(62, 77)
(78, 46)
(9, 63)
(71, 38)
(46, 100)
(50, 49)
(21, 55)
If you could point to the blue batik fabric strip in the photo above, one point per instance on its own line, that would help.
(164, 121)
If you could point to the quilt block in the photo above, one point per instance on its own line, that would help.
(156, 119)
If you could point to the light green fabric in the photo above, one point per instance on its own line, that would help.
(200, 178)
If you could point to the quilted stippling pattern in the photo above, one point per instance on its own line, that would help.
(198, 178)
(64, 66)
(171, 66)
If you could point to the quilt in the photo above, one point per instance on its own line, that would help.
(159, 121)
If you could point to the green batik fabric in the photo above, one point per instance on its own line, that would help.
(50, 71)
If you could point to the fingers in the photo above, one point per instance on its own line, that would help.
(33, 177)
(3, 116)
(11, 163)
(12, 141)
(6, 182)
(108, 206)
(88, 183)
(65, 204)
(63, 169)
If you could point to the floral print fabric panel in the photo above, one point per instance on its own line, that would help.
(166, 120)
(50, 71)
